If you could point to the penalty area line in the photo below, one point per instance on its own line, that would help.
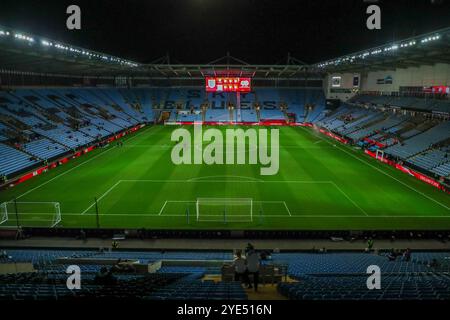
(294, 215)
(162, 209)
(381, 171)
(102, 196)
(289, 211)
(350, 199)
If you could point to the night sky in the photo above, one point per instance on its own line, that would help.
(198, 31)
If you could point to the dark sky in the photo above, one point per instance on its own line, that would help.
(198, 31)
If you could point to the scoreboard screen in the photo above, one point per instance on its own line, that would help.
(228, 84)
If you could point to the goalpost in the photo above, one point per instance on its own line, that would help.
(32, 214)
(224, 209)
(379, 155)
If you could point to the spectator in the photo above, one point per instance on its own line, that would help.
(141, 233)
(253, 264)
(249, 248)
(19, 234)
(407, 255)
(82, 235)
(392, 255)
(4, 255)
(240, 269)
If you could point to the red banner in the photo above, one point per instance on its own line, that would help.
(378, 144)
(334, 136)
(437, 89)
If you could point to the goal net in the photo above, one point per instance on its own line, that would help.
(30, 214)
(224, 209)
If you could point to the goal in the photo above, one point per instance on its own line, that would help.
(3, 213)
(379, 155)
(224, 209)
(30, 214)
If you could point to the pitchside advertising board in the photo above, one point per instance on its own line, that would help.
(228, 84)
(437, 90)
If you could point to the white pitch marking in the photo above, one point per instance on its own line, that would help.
(251, 179)
(385, 173)
(351, 200)
(148, 215)
(290, 215)
(233, 181)
(102, 196)
(162, 209)
(70, 170)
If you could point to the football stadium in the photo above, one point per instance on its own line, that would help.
(124, 177)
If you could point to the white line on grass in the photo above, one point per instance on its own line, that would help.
(385, 173)
(233, 181)
(351, 200)
(191, 201)
(208, 177)
(102, 196)
(63, 173)
(290, 215)
(151, 215)
(162, 209)
(70, 170)
(214, 181)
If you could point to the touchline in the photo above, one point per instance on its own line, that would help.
(212, 146)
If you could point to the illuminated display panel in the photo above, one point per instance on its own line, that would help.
(228, 84)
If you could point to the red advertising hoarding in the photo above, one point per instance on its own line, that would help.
(437, 90)
(228, 84)
(409, 171)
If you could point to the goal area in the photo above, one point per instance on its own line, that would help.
(30, 214)
(224, 210)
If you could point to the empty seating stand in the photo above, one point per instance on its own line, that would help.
(45, 149)
(354, 287)
(13, 160)
(320, 276)
(217, 115)
(271, 114)
(421, 142)
(247, 116)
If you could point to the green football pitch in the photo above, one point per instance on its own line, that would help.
(321, 185)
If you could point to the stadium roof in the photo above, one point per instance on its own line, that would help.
(30, 53)
(25, 52)
(426, 49)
